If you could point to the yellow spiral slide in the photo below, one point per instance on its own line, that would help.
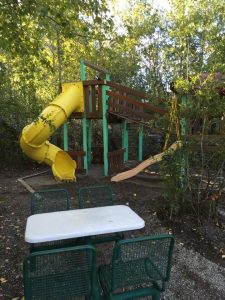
(34, 138)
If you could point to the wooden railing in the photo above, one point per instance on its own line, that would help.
(131, 104)
(93, 98)
(115, 159)
(78, 156)
(122, 101)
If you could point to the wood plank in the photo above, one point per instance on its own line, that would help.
(93, 82)
(86, 99)
(100, 99)
(118, 108)
(77, 115)
(146, 124)
(93, 94)
(26, 185)
(126, 89)
(93, 115)
(116, 152)
(95, 67)
(136, 103)
(116, 159)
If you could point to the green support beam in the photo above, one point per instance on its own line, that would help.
(105, 130)
(89, 134)
(89, 142)
(87, 126)
(84, 121)
(65, 137)
(140, 143)
(125, 139)
(105, 126)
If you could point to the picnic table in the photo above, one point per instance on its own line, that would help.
(77, 223)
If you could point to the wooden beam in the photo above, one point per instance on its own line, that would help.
(95, 67)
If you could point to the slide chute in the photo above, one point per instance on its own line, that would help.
(34, 138)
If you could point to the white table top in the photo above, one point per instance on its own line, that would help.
(81, 222)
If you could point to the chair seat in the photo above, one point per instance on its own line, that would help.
(65, 273)
(51, 286)
(133, 273)
(140, 267)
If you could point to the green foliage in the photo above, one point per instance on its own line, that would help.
(42, 43)
(171, 171)
(30, 56)
(194, 175)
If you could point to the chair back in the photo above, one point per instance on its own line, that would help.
(142, 260)
(63, 273)
(49, 200)
(95, 196)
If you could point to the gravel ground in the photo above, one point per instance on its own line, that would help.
(193, 276)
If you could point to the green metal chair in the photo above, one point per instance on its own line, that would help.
(97, 196)
(61, 274)
(50, 200)
(140, 267)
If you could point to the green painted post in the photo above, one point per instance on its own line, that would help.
(105, 126)
(89, 141)
(65, 137)
(84, 122)
(140, 143)
(125, 139)
(89, 134)
(82, 70)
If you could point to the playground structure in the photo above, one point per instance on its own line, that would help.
(87, 100)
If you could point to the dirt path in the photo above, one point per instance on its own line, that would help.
(193, 275)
